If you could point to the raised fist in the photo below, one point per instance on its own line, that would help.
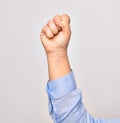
(55, 35)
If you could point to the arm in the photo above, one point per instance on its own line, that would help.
(55, 38)
(65, 100)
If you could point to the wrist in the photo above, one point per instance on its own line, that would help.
(56, 55)
(58, 65)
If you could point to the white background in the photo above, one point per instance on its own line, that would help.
(94, 54)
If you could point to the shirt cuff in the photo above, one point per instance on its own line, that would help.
(62, 86)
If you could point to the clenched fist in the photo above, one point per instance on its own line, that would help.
(55, 35)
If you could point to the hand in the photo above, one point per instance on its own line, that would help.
(56, 34)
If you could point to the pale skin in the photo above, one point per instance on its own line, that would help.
(55, 36)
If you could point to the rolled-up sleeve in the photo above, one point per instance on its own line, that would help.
(65, 102)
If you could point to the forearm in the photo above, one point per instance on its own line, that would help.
(58, 65)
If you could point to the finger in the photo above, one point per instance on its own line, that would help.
(47, 32)
(57, 20)
(58, 27)
(42, 33)
(66, 18)
(63, 22)
(53, 27)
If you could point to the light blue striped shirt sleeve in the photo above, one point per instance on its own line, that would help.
(65, 102)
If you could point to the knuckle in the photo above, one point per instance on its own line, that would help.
(47, 30)
(52, 27)
(57, 17)
(49, 33)
(49, 23)
(45, 27)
